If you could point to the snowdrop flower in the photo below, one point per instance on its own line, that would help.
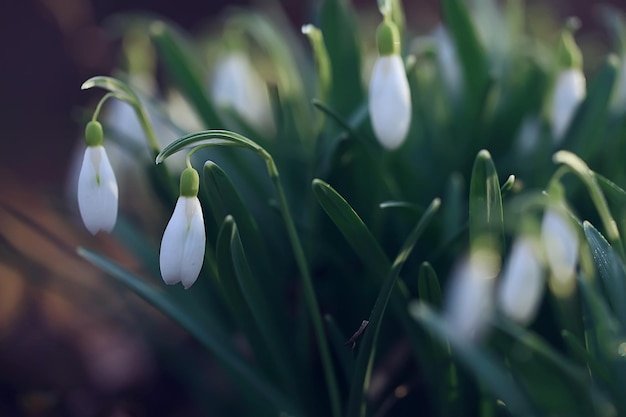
(389, 93)
(236, 84)
(560, 242)
(522, 283)
(469, 299)
(183, 243)
(570, 86)
(448, 61)
(618, 101)
(97, 187)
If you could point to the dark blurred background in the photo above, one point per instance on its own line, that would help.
(70, 346)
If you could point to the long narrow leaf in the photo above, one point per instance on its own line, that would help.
(206, 333)
(365, 357)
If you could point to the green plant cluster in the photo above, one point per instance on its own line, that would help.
(313, 229)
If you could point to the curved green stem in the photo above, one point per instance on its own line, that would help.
(309, 291)
(96, 112)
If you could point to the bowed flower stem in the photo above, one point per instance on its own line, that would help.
(184, 240)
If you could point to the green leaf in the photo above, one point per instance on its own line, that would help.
(115, 86)
(322, 61)
(260, 309)
(207, 138)
(486, 221)
(579, 350)
(205, 331)
(428, 286)
(564, 389)
(365, 358)
(352, 227)
(489, 370)
(616, 197)
(224, 200)
(176, 55)
(338, 24)
(470, 51)
(611, 270)
(584, 134)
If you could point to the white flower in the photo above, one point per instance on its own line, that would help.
(390, 101)
(522, 283)
(448, 61)
(560, 243)
(618, 101)
(97, 191)
(569, 91)
(236, 84)
(469, 299)
(183, 243)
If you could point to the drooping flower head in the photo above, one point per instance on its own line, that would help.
(522, 283)
(570, 85)
(184, 240)
(389, 93)
(97, 187)
(560, 242)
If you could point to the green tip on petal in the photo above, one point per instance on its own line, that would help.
(569, 53)
(93, 134)
(388, 38)
(189, 183)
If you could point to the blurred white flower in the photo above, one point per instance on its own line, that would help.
(97, 191)
(569, 91)
(183, 243)
(390, 101)
(560, 242)
(236, 84)
(469, 298)
(448, 61)
(618, 101)
(522, 283)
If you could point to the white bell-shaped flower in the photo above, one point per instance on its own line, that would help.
(97, 187)
(522, 283)
(184, 240)
(569, 91)
(469, 297)
(560, 242)
(570, 86)
(389, 92)
(236, 84)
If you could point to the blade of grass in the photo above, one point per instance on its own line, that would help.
(365, 358)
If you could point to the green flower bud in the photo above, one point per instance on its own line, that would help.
(189, 182)
(388, 38)
(569, 54)
(93, 134)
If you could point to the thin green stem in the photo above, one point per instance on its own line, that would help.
(96, 112)
(309, 291)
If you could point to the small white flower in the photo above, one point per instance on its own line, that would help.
(560, 242)
(569, 91)
(390, 101)
(522, 283)
(469, 299)
(183, 243)
(448, 61)
(236, 84)
(618, 101)
(97, 191)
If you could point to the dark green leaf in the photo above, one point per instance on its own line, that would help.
(177, 56)
(486, 222)
(365, 358)
(206, 332)
(428, 286)
(487, 368)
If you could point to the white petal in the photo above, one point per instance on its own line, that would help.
(569, 92)
(390, 101)
(469, 298)
(97, 191)
(183, 243)
(560, 243)
(522, 284)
